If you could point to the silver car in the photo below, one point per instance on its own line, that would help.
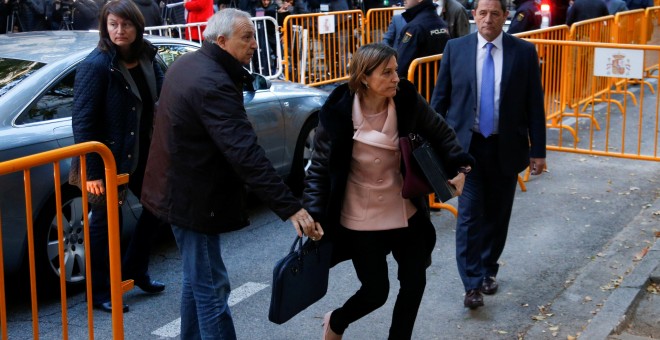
(37, 71)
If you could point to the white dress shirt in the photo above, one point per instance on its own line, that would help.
(498, 55)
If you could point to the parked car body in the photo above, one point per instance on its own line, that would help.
(37, 72)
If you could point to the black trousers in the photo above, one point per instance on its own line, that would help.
(411, 248)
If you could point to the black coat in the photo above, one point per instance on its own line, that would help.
(150, 11)
(107, 107)
(424, 34)
(586, 9)
(527, 17)
(325, 183)
(204, 150)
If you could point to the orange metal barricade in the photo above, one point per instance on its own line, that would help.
(652, 37)
(579, 64)
(632, 133)
(559, 32)
(629, 26)
(423, 72)
(376, 23)
(630, 29)
(319, 46)
(550, 61)
(54, 157)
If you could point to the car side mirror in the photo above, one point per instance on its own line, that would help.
(260, 82)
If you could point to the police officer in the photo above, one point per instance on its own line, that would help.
(527, 17)
(424, 34)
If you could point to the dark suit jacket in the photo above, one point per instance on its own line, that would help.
(521, 112)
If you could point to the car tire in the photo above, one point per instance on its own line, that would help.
(302, 155)
(46, 242)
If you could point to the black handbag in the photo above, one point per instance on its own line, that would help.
(299, 279)
(415, 183)
(424, 172)
(434, 170)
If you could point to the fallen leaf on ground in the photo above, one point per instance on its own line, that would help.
(606, 287)
(653, 288)
(641, 254)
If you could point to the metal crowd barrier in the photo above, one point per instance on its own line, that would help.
(630, 132)
(319, 46)
(268, 57)
(629, 26)
(589, 90)
(550, 61)
(377, 22)
(651, 37)
(117, 287)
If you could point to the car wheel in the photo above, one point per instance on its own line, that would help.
(46, 240)
(303, 155)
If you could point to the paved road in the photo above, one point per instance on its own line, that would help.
(586, 215)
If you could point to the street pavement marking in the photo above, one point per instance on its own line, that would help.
(172, 329)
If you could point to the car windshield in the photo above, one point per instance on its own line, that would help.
(13, 71)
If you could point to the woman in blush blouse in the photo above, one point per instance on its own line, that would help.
(353, 186)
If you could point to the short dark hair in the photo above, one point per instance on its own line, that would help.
(365, 60)
(127, 10)
(502, 3)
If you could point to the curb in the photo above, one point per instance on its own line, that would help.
(622, 302)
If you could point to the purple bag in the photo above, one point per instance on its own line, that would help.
(415, 183)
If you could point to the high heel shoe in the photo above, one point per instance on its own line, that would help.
(328, 333)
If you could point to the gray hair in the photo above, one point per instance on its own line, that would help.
(222, 23)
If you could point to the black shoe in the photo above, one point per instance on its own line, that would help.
(473, 299)
(150, 286)
(489, 286)
(107, 307)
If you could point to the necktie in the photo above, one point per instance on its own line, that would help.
(487, 100)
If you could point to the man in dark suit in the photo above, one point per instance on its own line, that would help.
(500, 119)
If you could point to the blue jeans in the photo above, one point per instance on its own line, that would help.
(205, 289)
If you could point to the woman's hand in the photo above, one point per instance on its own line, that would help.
(458, 183)
(302, 220)
(96, 187)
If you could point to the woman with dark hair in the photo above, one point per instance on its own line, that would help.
(353, 186)
(115, 90)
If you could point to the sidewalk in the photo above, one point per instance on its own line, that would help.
(632, 310)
